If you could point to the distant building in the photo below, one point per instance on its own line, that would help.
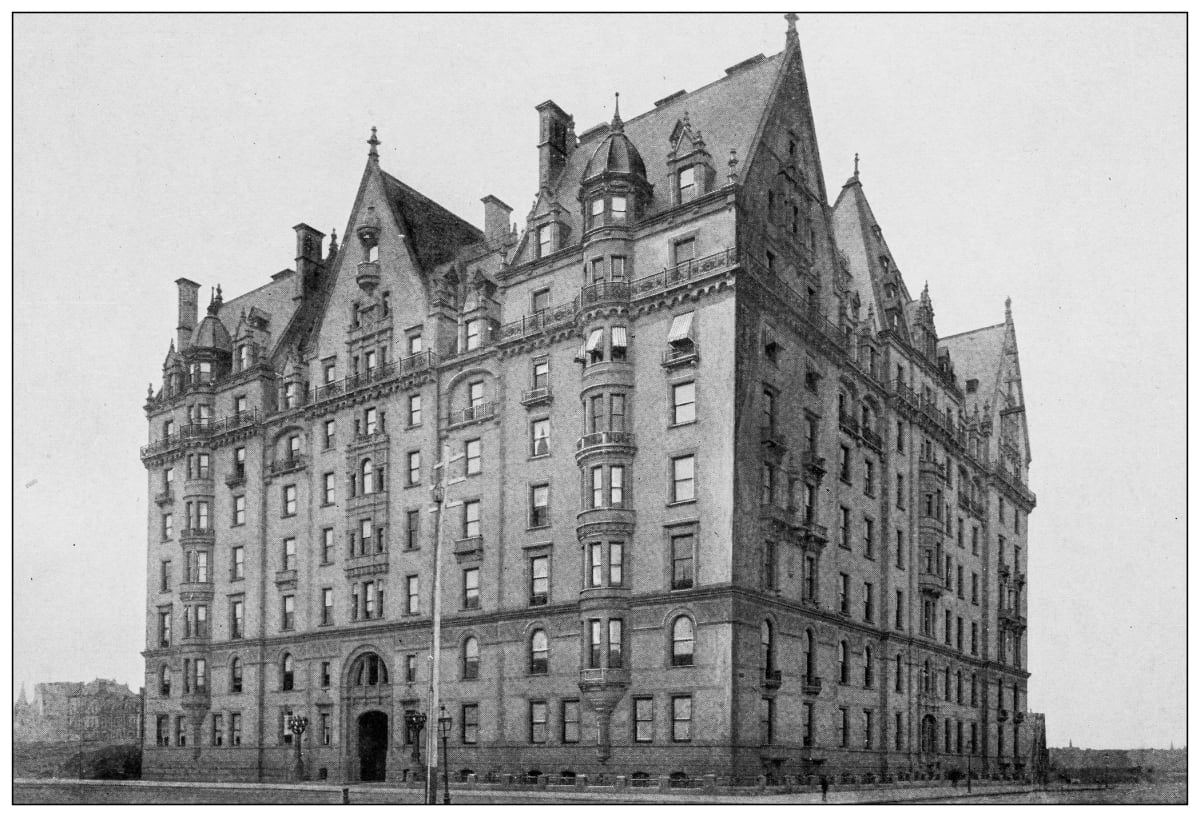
(100, 711)
(729, 503)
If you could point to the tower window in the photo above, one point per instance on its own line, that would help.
(687, 184)
(618, 209)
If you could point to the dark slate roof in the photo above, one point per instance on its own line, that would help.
(726, 112)
(616, 154)
(434, 233)
(977, 355)
(212, 334)
(275, 299)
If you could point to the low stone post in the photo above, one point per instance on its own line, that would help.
(664, 783)
(710, 783)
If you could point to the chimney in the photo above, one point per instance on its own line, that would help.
(495, 219)
(189, 309)
(556, 141)
(308, 259)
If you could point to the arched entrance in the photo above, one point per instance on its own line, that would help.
(372, 746)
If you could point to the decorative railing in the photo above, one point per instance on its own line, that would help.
(770, 435)
(681, 355)
(1014, 484)
(534, 396)
(561, 315)
(603, 292)
(405, 366)
(605, 438)
(603, 676)
(201, 430)
(772, 678)
(872, 439)
(164, 498)
(196, 533)
(938, 469)
(811, 684)
(687, 271)
(473, 414)
(294, 463)
(847, 422)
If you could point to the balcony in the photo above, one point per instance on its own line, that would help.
(164, 498)
(189, 536)
(537, 397)
(201, 430)
(372, 437)
(602, 293)
(604, 440)
(538, 599)
(811, 684)
(367, 564)
(682, 355)
(470, 546)
(238, 477)
(413, 364)
(872, 439)
(538, 322)
(1012, 619)
(287, 466)
(685, 272)
(598, 677)
(368, 275)
(771, 678)
(813, 533)
(195, 591)
(285, 578)
(930, 583)
(772, 438)
(848, 423)
(472, 414)
(813, 463)
(935, 468)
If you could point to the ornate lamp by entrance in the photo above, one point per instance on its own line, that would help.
(415, 723)
(298, 723)
(445, 722)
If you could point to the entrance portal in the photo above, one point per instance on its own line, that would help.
(372, 746)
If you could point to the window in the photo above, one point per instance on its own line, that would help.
(899, 673)
(168, 527)
(616, 474)
(239, 510)
(683, 403)
(473, 451)
(974, 588)
(366, 534)
(414, 467)
(289, 553)
(238, 561)
(685, 252)
(974, 638)
(289, 613)
(473, 331)
(330, 427)
(237, 618)
(164, 576)
(180, 730)
(770, 565)
(415, 345)
(539, 580)
(868, 669)
(620, 343)
(683, 478)
(681, 718)
(326, 546)
(869, 477)
(539, 653)
(539, 506)
(327, 605)
(844, 593)
(368, 594)
(595, 638)
(900, 549)
(470, 724)
(844, 471)
(470, 577)
(470, 658)
(869, 538)
(537, 721)
(412, 525)
(289, 500)
(975, 541)
(843, 662)
(768, 484)
(615, 643)
(218, 730)
(412, 586)
(370, 360)
(899, 609)
(868, 601)
(470, 519)
(326, 675)
(687, 184)
(682, 561)
(475, 393)
(868, 728)
(843, 726)
(539, 438)
(288, 673)
(683, 642)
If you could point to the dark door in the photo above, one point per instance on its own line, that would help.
(372, 746)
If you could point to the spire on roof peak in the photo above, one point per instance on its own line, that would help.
(617, 125)
(374, 143)
(856, 165)
(792, 37)
(1008, 309)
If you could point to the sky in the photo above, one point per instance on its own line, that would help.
(1037, 157)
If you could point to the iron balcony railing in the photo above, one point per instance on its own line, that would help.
(412, 364)
(872, 439)
(679, 355)
(471, 414)
(201, 430)
(540, 321)
(603, 676)
(605, 438)
(603, 292)
(283, 466)
(687, 271)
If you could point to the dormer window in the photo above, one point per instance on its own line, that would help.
(687, 184)
(243, 357)
(373, 253)
(369, 360)
(473, 334)
(545, 236)
(618, 209)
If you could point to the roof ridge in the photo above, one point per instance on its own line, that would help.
(410, 189)
(1000, 325)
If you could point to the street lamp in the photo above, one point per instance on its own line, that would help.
(444, 724)
(298, 723)
(415, 721)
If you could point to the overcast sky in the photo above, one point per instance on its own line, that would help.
(1037, 157)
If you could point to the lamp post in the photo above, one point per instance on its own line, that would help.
(444, 724)
(415, 721)
(298, 723)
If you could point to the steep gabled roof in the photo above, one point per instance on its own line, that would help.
(434, 233)
(978, 355)
(858, 235)
(275, 299)
(726, 112)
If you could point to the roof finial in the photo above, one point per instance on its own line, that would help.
(617, 125)
(792, 37)
(374, 143)
(333, 245)
(1008, 309)
(733, 163)
(856, 165)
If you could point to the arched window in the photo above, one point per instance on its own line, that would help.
(470, 659)
(844, 662)
(289, 672)
(539, 653)
(368, 476)
(868, 669)
(164, 681)
(683, 642)
(368, 670)
(235, 675)
(768, 647)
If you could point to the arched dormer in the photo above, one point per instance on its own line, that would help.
(614, 191)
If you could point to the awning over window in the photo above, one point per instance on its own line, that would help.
(618, 337)
(681, 329)
(594, 340)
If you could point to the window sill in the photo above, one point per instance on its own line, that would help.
(539, 456)
(237, 525)
(287, 516)
(681, 425)
(538, 527)
(679, 502)
(413, 485)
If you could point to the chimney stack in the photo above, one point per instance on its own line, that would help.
(496, 220)
(308, 259)
(189, 311)
(556, 141)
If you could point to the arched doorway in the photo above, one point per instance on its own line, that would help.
(928, 735)
(372, 746)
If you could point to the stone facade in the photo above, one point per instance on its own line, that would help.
(721, 500)
(99, 711)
